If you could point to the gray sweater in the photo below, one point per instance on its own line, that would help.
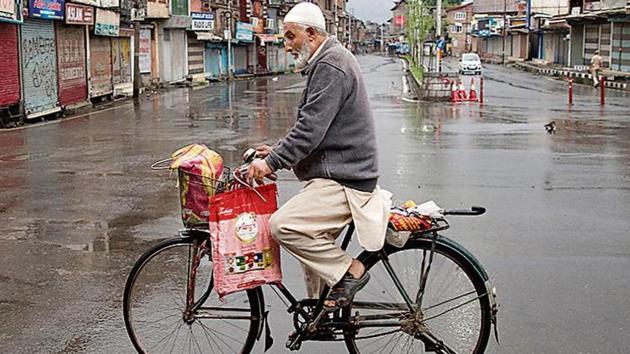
(334, 135)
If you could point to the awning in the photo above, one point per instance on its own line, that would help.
(267, 37)
(208, 36)
(556, 24)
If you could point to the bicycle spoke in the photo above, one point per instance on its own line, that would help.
(454, 308)
(155, 306)
(447, 299)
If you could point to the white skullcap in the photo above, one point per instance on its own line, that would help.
(307, 14)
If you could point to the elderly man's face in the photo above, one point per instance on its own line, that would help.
(298, 41)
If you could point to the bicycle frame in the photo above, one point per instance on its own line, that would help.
(312, 320)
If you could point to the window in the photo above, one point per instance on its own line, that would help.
(460, 15)
(271, 23)
(457, 28)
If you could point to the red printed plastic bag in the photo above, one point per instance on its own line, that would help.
(243, 251)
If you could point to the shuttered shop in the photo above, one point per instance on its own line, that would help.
(121, 60)
(100, 66)
(240, 59)
(621, 46)
(195, 54)
(71, 63)
(39, 67)
(173, 58)
(10, 78)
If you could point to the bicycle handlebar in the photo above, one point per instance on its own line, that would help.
(473, 211)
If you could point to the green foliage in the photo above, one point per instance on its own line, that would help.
(417, 72)
(419, 24)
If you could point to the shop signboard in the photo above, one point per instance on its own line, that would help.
(9, 11)
(202, 21)
(46, 9)
(79, 14)
(107, 23)
(244, 32)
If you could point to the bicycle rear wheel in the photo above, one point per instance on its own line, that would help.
(455, 308)
(158, 318)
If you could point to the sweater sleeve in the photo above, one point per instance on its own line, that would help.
(325, 97)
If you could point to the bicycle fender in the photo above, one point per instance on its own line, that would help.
(445, 241)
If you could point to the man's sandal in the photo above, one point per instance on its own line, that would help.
(343, 292)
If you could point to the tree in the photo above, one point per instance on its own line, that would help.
(419, 24)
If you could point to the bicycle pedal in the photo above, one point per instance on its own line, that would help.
(294, 342)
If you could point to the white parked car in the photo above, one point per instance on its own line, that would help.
(470, 63)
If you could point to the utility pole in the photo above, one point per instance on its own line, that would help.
(336, 23)
(438, 20)
(137, 78)
(382, 38)
(229, 40)
(504, 31)
(350, 29)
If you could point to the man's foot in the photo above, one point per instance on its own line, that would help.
(343, 292)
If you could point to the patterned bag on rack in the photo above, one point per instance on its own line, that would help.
(243, 251)
(199, 171)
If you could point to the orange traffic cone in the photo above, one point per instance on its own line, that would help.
(454, 93)
(472, 96)
(463, 96)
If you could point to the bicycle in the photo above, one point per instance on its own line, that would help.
(450, 311)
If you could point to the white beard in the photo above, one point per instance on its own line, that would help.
(302, 60)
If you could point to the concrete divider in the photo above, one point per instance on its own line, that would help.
(433, 86)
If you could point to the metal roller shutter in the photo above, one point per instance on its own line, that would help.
(39, 67)
(621, 46)
(195, 54)
(100, 66)
(71, 64)
(10, 78)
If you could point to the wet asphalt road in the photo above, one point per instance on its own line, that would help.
(78, 203)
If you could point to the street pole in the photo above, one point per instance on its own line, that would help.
(382, 38)
(229, 39)
(335, 29)
(504, 31)
(136, 53)
(350, 29)
(438, 20)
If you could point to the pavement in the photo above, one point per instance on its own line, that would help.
(79, 204)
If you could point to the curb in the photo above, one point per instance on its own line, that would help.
(570, 73)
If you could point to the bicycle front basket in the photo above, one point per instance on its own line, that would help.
(195, 192)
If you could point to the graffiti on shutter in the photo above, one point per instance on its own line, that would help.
(10, 78)
(39, 66)
(71, 63)
(100, 66)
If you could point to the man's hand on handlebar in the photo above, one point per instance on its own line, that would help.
(263, 151)
(258, 170)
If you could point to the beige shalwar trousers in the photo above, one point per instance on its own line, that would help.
(308, 224)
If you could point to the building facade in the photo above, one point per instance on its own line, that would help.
(459, 27)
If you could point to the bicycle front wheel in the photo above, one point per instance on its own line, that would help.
(452, 315)
(162, 314)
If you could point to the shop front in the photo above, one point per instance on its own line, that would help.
(10, 78)
(39, 67)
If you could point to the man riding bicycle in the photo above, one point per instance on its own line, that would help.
(332, 147)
